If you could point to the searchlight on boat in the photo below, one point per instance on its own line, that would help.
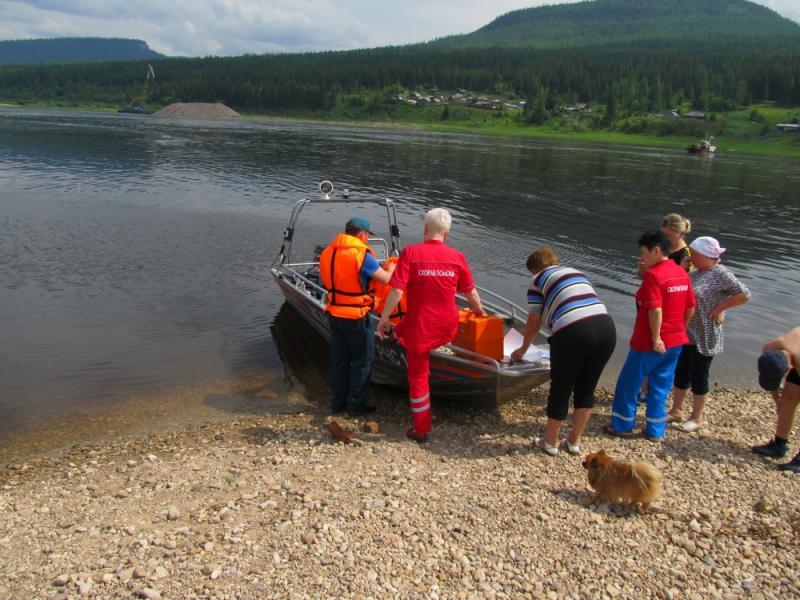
(325, 189)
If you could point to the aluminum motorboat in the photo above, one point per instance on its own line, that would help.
(456, 373)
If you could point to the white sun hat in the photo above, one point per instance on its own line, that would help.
(707, 246)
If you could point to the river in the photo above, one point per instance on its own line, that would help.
(135, 251)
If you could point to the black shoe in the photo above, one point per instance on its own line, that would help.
(420, 438)
(793, 465)
(362, 410)
(609, 430)
(772, 449)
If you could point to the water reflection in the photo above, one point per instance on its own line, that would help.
(304, 354)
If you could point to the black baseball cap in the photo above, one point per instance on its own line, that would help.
(772, 366)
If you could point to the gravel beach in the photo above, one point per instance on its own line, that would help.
(273, 507)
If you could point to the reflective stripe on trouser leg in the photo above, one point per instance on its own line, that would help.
(629, 382)
(660, 379)
(419, 390)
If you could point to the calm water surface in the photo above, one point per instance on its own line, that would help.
(135, 252)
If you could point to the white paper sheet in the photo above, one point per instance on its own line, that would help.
(513, 340)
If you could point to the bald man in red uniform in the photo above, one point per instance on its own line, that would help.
(431, 273)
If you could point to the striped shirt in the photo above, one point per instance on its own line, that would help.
(562, 296)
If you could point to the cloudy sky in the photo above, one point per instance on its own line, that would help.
(224, 27)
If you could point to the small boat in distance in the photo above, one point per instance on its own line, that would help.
(456, 373)
(704, 146)
(134, 109)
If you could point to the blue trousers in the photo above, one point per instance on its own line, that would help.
(660, 370)
(352, 355)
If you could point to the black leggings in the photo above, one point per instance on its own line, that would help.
(692, 370)
(578, 355)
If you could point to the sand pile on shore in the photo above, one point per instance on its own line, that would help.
(271, 507)
(198, 110)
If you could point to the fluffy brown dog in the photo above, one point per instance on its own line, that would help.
(639, 483)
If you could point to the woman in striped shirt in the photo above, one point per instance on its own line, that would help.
(563, 304)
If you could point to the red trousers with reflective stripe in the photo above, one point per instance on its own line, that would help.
(419, 390)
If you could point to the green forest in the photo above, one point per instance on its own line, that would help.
(645, 80)
(643, 57)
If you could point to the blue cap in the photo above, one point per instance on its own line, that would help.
(772, 366)
(359, 223)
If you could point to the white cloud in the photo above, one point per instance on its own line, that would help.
(191, 27)
(786, 8)
(224, 27)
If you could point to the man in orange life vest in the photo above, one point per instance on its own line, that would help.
(431, 273)
(346, 267)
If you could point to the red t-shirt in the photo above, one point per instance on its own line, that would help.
(666, 286)
(430, 273)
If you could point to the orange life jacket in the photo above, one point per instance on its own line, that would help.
(339, 266)
(381, 291)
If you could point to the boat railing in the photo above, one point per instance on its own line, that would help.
(312, 288)
(499, 306)
(515, 369)
(384, 245)
(463, 353)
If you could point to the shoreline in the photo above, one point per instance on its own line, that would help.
(217, 403)
(270, 506)
(776, 147)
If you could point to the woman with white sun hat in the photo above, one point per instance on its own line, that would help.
(716, 290)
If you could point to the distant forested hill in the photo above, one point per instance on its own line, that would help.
(61, 50)
(633, 56)
(631, 23)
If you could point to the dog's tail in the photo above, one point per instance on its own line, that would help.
(649, 479)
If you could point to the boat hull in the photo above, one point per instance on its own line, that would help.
(452, 377)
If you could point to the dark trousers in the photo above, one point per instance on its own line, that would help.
(692, 370)
(578, 355)
(352, 354)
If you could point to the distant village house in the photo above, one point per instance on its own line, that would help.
(579, 107)
(486, 104)
(692, 114)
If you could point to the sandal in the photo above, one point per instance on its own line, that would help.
(574, 449)
(542, 444)
(688, 426)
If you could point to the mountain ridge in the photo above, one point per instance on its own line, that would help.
(74, 49)
(629, 22)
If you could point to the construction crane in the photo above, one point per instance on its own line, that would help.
(137, 105)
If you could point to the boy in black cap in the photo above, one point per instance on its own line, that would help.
(781, 355)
